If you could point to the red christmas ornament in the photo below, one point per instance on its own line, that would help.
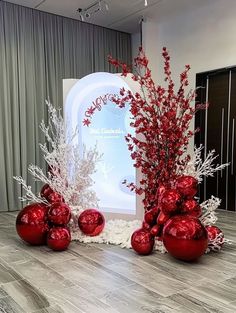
(31, 224)
(46, 191)
(155, 230)
(187, 186)
(169, 201)
(162, 218)
(58, 238)
(151, 216)
(55, 197)
(215, 238)
(185, 238)
(191, 207)
(59, 213)
(91, 222)
(146, 226)
(142, 241)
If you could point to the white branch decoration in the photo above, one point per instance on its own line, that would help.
(209, 211)
(70, 169)
(199, 168)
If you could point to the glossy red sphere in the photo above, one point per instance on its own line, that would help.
(162, 218)
(191, 207)
(46, 191)
(151, 216)
(215, 235)
(170, 201)
(146, 226)
(91, 222)
(142, 241)
(31, 224)
(187, 186)
(185, 238)
(55, 197)
(59, 213)
(156, 230)
(58, 238)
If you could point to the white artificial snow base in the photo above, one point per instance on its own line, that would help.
(116, 232)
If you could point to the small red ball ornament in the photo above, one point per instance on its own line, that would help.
(91, 222)
(142, 241)
(162, 218)
(55, 197)
(169, 201)
(187, 186)
(59, 213)
(46, 191)
(58, 238)
(185, 238)
(215, 238)
(146, 226)
(31, 224)
(151, 216)
(155, 230)
(191, 207)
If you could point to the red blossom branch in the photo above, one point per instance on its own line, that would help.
(161, 118)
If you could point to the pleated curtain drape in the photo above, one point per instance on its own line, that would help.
(37, 51)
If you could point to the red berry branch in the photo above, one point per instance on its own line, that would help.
(161, 118)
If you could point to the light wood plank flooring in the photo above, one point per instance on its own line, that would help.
(107, 279)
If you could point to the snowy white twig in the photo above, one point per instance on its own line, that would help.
(209, 210)
(199, 168)
(70, 169)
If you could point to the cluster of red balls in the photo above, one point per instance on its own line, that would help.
(175, 221)
(40, 224)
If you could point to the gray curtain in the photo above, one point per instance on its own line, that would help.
(38, 50)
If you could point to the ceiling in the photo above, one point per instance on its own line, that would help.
(123, 15)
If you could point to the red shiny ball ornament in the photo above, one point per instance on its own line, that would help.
(187, 186)
(170, 201)
(55, 197)
(155, 230)
(142, 241)
(150, 216)
(146, 226)
(46, 191)
(58, 238)
(31, 224)
(91, 222)
(191, 207)
(215, 236)
(59, 213)
(162, 218)
(185, 238)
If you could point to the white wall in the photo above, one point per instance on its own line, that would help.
(203, 37)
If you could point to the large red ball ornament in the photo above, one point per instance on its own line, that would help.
(31, 224)
(55, 197)
(91, 222)
(215, 237)
(46, 191)
(59, 213)
(142, 241)
(185, 238)
(187, 186)
(191, 207)
(58, 238)
(170, 201)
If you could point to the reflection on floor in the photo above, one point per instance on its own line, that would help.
(104, 278)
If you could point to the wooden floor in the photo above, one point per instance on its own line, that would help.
(105, 278)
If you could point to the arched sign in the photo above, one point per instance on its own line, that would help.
(107, 130)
